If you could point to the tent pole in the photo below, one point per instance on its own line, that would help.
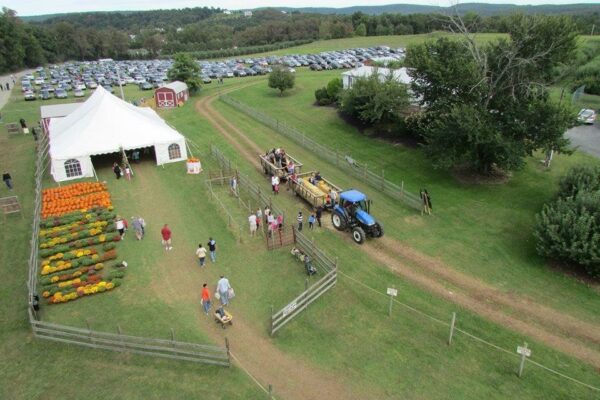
(188, 147)
(94, 170)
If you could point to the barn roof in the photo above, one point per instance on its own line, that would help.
(177, 86)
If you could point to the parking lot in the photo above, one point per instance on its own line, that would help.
(586, 138)
(73, 79)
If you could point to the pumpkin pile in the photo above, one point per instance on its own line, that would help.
(77, 237)
(78, 196)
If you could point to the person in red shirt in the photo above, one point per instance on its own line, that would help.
(205, 298)
(166, 237)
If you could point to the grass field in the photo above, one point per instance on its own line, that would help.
(482, 230)
(345, 333)
(365, 41)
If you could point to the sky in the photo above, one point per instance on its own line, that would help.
(40, 7)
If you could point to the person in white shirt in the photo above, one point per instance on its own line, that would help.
(223, 287)
(252, 222)
(201, 254)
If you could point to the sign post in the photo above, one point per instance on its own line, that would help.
(392, 292)
(524, 352)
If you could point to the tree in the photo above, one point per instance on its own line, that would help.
(185, 69)
(375, 101)
(568, 229)
(488, 105)
(361, 30)
(334, 88)
(281, 79)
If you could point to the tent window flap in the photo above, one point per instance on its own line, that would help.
(73, 168)
(174, 151)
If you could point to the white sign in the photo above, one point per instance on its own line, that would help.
(291, 307)
(392, 292)
(524, 351)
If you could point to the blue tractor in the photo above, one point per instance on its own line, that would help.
(351, 213)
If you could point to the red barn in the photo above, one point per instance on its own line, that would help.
(171, 95)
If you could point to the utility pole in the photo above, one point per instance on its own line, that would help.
(120, 84)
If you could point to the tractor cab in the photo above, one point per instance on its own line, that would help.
(352, 212)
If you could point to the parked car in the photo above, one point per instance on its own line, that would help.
(45, 95)
(587, 116)
(29, 95)
(206, 79)
(78, 93)
(60, 94)
(146, 86)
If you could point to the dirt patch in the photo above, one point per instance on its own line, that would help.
(469, 177)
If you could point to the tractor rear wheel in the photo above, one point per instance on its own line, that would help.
(379, 231)
(338, 221)
(358, 234)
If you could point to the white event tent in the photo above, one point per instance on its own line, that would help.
(106, 124)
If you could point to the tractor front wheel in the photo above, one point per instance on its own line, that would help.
(358, 234)
(338, 221)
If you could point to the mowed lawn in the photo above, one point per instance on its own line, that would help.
(346, 332)
(482, 230)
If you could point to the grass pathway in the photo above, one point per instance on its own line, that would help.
(556, 329)
(292, 378)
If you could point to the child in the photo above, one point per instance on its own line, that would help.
(277, 188)
(311, 221)
(127, 172)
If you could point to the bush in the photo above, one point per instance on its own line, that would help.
(334, 89)
(322, 97)
(568, 229)
(578, 179)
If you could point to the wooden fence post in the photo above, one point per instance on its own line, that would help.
(270, 392)
(402, 190)
(120, 335)
(89, 328)
(452, 328)
(383, 180)
(228, 351)
(271, 333)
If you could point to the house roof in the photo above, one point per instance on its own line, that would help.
(400, 74)
(58, 110)
(177, 86)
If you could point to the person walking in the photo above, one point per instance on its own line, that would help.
(318, 215)
(233, 185)
(166, 237)
(300, 220)
(201, 254)
(274, 181)
(205, 298)
(137, 227)
(143, 224)
(280, 222)
(223, 287)
(258, 218)
(127, 170)
(117, 170)
(7, 180)
(212, 247)
(253, 225)
(311, 221)
(120, 225)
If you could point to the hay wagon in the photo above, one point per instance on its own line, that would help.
(271, 169)
(315, 194)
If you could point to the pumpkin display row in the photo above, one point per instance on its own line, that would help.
(78, 196)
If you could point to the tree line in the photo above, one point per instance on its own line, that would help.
(122, 35)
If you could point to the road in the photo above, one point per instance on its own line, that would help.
(586, 138)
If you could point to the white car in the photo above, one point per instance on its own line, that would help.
(587, 116)
(39, 81)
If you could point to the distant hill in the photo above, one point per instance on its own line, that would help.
(479, 8)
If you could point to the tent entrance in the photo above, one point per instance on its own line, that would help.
(103, 163)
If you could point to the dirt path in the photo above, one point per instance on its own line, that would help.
(292, 378)
(554, 328)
